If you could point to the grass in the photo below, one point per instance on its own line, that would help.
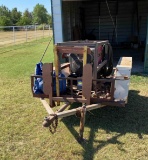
(112, 133)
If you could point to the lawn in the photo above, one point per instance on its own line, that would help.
(112, 133)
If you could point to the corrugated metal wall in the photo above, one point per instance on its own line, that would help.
(70, 18)
(146, 52)
(143, 13)
(97, 18)
(124, 21)
(66, 21)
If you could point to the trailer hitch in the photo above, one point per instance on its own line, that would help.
(51, 124)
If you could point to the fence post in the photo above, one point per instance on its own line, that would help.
(26, 34)
(35, 32)
(43, 30)
(49, 30)
(13, 34)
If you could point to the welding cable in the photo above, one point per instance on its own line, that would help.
(111, 17)
(46, 49)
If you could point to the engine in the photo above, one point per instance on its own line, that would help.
(104, 53)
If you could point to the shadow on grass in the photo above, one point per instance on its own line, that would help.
(131, 119)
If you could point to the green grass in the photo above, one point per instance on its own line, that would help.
(112, 133)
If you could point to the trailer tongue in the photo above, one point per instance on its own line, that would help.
(83, 72)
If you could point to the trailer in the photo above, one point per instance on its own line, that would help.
(83, 72)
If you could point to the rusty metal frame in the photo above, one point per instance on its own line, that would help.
(90, 44)
(88, 102)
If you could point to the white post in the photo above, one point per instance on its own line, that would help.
(49, 30)
(43, 30)
(13, 34)
(26, 34)
(35, 32)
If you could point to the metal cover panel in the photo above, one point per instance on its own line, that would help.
(57, 21)
(122, 85)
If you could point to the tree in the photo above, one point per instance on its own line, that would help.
(26, 19)
(15, 16)
(5, 16)
(50, 20)
(4, 11)
(5, 21)
(40, 15)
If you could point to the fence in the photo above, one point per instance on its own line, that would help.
(18, 34)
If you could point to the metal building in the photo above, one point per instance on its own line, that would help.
(122, 22)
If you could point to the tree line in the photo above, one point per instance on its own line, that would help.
(13, 17)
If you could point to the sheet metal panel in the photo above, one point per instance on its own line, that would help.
(143, 13)
(70, 18)
(57, 21)
(146, 52)
(98, 19)
(122, 85)
(124, 24)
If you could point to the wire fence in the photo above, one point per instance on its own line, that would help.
(10, 35)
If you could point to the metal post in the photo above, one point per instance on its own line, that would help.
(57, 66)
(43, 31)
(26, 34)
(35, 33)
(49, 30)
(13, 34)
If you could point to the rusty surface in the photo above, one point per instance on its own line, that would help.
(57, 67)
(70, 100)
(47, 82)
(95, 65)
(47, 78)
(71, 49)
(95, 92)
(32, 84)
(49, 120)
(87, 82)
(112, 90)
(76, 50)
(89, 76)
(82, 123)
(82, 43)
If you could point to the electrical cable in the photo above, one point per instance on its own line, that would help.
(111, 18)
(46, 49)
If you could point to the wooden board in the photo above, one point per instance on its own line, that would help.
(125, 61)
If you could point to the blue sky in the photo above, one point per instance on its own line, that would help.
(21, 5)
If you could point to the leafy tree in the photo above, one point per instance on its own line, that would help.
(4, 11)
(5, 21)
(26, 19)
(40, 14)
(15, 16)
(50, 20)
(5, 16)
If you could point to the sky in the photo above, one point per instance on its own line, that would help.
(22, 5)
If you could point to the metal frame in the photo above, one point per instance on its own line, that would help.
(88, 102)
